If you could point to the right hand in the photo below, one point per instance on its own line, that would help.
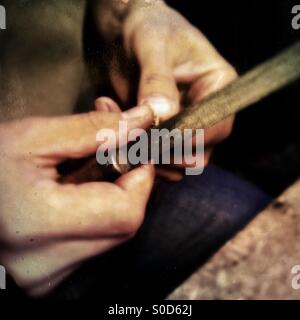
(48, 229)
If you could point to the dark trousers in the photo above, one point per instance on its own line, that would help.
(185, 224)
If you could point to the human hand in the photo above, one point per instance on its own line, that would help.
(47, 229)
(171, 54)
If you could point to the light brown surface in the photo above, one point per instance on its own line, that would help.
(257, 263)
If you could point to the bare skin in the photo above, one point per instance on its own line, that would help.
(49, 229)
(169, 51)
(64, 223)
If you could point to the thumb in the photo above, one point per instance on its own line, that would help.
(75, 136)
(138, 183)
(157, 87)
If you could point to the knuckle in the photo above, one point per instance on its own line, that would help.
(157, 78)
(96, 121)
(230, 73)
(92, 120)
(224, 75)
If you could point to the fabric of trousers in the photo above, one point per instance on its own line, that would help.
(185, 224)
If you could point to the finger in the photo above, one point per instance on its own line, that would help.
(169, 174)
(87, 211)
(122, 209)
(157, 87)
(207, 84)
(138, 184)
(211, 81)
(75, 136)
(67, 254)
(123, 74)
(92, 172)
(107, 105)
(218, 132)
(37, 274)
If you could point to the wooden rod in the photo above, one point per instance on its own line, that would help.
(255, 85)
(264, 79)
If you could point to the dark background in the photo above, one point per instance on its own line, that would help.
(265, 146)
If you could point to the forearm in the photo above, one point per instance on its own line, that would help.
(110, 14)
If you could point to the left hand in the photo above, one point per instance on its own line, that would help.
(169, 51)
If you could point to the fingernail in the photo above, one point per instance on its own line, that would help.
(138, 112)
(103, 107)
(160, 105)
